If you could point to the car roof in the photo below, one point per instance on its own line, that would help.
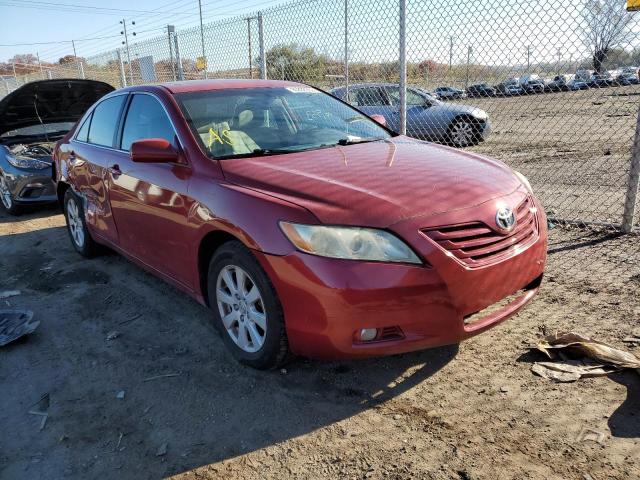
(364, 85)
(218, 84)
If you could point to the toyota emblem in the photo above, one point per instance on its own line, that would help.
(505, 218)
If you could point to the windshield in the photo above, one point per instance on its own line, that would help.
(258, 121)
(37, 130)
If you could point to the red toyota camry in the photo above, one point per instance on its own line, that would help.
(306, 226)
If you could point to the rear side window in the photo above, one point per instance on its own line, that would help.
(83, 133)
(370, 97)
(105, 121)
(146, 119)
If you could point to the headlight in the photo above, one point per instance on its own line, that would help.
(480, 114)
(27, 162)
(524, 181)
(353, 243)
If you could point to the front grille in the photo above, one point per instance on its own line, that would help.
(475, 244)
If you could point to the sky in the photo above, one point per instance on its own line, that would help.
(26, 21)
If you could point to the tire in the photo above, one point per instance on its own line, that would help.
(254, 329)
(463, 133)
(77, 226)
(7, 200)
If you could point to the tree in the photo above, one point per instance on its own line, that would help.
(292, 62)
(71, 60)
(605, 25)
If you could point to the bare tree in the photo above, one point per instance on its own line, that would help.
(606, 25)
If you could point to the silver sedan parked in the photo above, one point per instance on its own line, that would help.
(427, 117)
(32, 119)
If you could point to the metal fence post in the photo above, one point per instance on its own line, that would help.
(204, 56)
(250, 48)
(123, 78)
(263, 55)
(346, 48)
(634, 182)
(403, 66)
(170, 30)
(178, 59)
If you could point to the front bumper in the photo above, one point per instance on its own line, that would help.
(30, 186)
(326, 301)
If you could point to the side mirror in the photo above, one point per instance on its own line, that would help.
(153, 150)
(380, 119)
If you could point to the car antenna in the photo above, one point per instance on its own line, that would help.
(35, 106)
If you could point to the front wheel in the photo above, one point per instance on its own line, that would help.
(7, 199)
(77, 226)
(246, 308)
(463, 133)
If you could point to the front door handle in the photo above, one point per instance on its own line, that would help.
(115, 170)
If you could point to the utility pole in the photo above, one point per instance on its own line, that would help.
(204, 57)
(13, 64)
(40, 65)
(176, 46)
(528, 57)
(450, 52)
(126, 44)
(75, 55)
(250, 50)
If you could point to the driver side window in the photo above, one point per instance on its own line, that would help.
(146, 119)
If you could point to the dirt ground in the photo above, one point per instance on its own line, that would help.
(473, 411)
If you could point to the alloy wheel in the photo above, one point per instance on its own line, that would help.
(241, 307)
(75, 222)
(462, 133)
(5, 194)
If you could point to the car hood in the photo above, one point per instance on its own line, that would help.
(376, 184)
(453, 110)
(49, 101)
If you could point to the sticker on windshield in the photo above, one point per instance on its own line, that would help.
(222, 139)
(302, 89)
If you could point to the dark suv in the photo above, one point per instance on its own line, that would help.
(481, 90)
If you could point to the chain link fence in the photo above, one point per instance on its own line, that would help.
(550, 87)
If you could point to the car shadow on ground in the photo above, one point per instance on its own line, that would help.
(183, 392)
(30, 212)
(625, 421)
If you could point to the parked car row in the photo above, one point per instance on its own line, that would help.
(294, 216)
(533, 83)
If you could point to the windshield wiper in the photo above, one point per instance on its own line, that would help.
(263, 152)
(354, 140)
